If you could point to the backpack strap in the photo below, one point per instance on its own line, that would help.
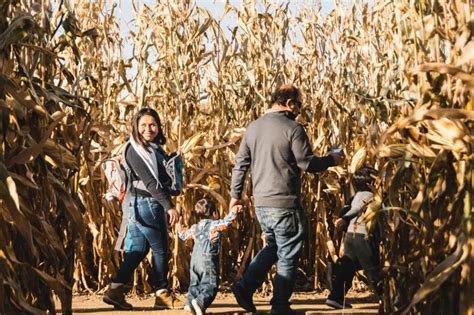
(134, 185)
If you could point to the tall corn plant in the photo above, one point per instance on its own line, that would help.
(41, 209)
(51, 115)
(428, 209)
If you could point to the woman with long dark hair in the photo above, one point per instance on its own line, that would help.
(149, 205)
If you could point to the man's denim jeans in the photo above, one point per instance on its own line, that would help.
(147, 228)
(284, 231)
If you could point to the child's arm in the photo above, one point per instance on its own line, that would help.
(222, 225)
(184, 234)
(359, 203)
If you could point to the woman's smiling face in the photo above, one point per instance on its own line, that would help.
(148, 128)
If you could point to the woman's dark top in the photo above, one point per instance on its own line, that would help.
(141, 172)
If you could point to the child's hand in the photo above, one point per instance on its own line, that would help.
(179, 227)
(340, 223)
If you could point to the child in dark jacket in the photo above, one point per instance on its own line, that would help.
(360, 247)
(204, 269)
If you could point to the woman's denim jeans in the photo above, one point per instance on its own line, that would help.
(147, 228)
(284, 230)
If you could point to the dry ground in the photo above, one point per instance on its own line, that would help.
(305, 303)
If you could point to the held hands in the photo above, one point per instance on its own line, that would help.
(179, 226)
(340, 223)
(173, 216)
(338, 157)
(236, 205)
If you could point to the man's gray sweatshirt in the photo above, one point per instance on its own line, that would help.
(277, 149)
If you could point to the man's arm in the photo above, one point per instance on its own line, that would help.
(305, 159)
(242, 164)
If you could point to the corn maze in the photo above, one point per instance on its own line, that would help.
(390, 81)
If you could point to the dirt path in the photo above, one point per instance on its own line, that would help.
(305, 303)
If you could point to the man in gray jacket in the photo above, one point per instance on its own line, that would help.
(277, 150)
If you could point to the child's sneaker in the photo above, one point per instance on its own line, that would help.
(197, 308)
(188, 309)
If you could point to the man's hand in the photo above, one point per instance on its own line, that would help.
(236, 205)
(174, 216)
(338, 157)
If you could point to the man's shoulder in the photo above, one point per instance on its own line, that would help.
(274, 118)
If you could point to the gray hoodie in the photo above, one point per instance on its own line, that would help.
(354, 215)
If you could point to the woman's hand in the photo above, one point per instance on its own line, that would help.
(174, 216)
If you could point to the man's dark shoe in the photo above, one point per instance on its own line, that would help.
(116, 297)
(244, 299)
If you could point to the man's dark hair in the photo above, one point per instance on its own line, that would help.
(284, 93)
(159, 139)
(364, 178)
(205, 208)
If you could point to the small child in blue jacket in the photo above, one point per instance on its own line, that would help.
(204, 269)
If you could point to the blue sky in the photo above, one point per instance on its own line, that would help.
(215, 7)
